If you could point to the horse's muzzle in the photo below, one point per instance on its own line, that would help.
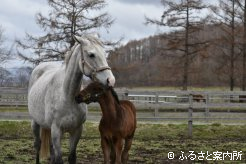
(78, 99)
(111, 81)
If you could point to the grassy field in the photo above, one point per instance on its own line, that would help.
(151, 144)
(13, 109)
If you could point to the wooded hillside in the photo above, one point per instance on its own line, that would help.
(151, 62)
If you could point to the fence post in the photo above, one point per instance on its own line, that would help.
(156, 104)
(207, 107)
(126, 95)
(16, 99)
(190, 120)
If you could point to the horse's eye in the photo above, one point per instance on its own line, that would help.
(92, 55)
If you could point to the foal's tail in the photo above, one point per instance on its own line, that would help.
(45, 143)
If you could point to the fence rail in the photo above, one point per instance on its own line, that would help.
(13, 96)
(153, 100)
(189, 101)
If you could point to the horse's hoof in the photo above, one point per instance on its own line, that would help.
(60, 161)
(72, 159)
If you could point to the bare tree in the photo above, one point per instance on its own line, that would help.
(4, 75)
(227, 15)
(23, 76)
(242, 5)
(4, 53)
(182, 17)
(244, 45)
(66, 18)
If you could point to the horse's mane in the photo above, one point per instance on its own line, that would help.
(115, 95)
(69, 54)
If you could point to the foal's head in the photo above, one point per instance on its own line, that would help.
(93, 92)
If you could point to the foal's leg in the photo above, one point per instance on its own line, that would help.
(118, 150)
(112, 153)
(106, 150)
(74, 139)
(37, 141)
(128, 143)
(56, 141)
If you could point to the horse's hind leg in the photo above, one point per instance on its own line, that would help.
(128, 143)
(74, 139)
(37, 141)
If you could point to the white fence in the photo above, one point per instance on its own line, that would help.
(153, 100)
(158, 102)
(13, 96)
(190, 101)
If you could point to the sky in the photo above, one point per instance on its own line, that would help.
(18, 17)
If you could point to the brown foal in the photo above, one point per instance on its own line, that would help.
(118, 122)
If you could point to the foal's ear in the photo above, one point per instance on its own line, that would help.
(81, 40)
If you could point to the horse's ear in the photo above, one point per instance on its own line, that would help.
(81, 40)
(76, 38)
(95, 35)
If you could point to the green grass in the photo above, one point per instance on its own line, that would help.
(151, 144)
(13, 109)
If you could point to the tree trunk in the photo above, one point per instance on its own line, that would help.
(232, 49)
(186, 62)
(244, 50)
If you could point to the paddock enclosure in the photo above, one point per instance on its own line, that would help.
(192, 128)
(164, 106)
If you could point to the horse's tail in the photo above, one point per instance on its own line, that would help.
(45, 143)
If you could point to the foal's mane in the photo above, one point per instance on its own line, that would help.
(115, 95)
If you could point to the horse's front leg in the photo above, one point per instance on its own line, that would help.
(127, 147)
(74, 139)
(56, 141)
(118, 144)
(106, 149)
(52, 153)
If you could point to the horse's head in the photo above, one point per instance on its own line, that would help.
(91, 93)
(93, 61)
